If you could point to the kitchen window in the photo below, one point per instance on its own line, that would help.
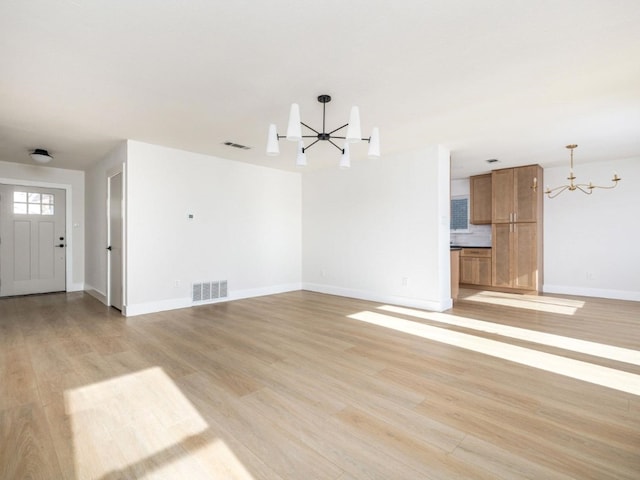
(460, 214)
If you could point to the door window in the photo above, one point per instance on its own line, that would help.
(29, 203)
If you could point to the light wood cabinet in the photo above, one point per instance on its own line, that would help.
(455, 274)
(517, 228)
(515, 259)
(480, 189)
(513, 196)
(475, 266)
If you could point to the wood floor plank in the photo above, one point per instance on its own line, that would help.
(410, 449)
(296, 386)
(503, 463)
(276, 447)
(26, 449)
(19, 385)
(337, 441)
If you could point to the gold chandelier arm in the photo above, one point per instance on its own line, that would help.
(582, 186)
(591, 186)
(553, 193)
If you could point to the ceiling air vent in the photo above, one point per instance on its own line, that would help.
(237, 145)
(492, 160)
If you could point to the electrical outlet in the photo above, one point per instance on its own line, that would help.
(405, 281)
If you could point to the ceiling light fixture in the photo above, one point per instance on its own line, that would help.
(583, 187)
(41, 156)
(294, 134)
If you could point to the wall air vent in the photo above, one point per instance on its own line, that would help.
(209, 291)
(237, 145)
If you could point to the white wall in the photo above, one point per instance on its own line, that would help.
(73, 182)
(590, 240)
(367, 229)
(246, 227)
(96, 235)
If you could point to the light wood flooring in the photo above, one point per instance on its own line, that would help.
(305, 386)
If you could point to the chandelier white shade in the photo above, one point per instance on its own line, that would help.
(374, 144)
(345, 158)
(354, 133)
(295, 134)
(301, 158)
(294, 129)
(272, 141)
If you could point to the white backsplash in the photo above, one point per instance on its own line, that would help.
(478, 236)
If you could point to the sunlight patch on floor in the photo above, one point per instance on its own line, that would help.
(560, 306)
(610, 352)
(145, 428)
(596, 374)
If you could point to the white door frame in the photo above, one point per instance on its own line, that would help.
(111, 173)
(68, 218)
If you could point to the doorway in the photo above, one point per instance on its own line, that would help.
(115, 242)
(32, 240)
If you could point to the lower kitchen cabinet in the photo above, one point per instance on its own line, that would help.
(475, 266)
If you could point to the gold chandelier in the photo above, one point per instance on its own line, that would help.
(583, 187)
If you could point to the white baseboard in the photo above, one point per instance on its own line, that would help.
(592, 292)
(158, 306)
(98, 295)
(262, 291)
(434, 306)
(176, 303)
(75, 287)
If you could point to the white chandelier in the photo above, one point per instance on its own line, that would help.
(583, 187)
(294, 134)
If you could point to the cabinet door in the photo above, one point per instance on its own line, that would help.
(502, 195)
(484, 271)
(467, 270)
(480, 188)
(524, 258)
(526, 204)
(501, 253)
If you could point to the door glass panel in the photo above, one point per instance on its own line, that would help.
(33, 203)
(20, 208)
(34, 209)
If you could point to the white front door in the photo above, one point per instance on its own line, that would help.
(32, 240)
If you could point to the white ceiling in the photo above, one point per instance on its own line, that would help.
(506, 79)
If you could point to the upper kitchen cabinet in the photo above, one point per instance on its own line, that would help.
(480, 188)
(514, 198)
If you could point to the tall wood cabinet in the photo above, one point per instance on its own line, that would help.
(517, 228)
